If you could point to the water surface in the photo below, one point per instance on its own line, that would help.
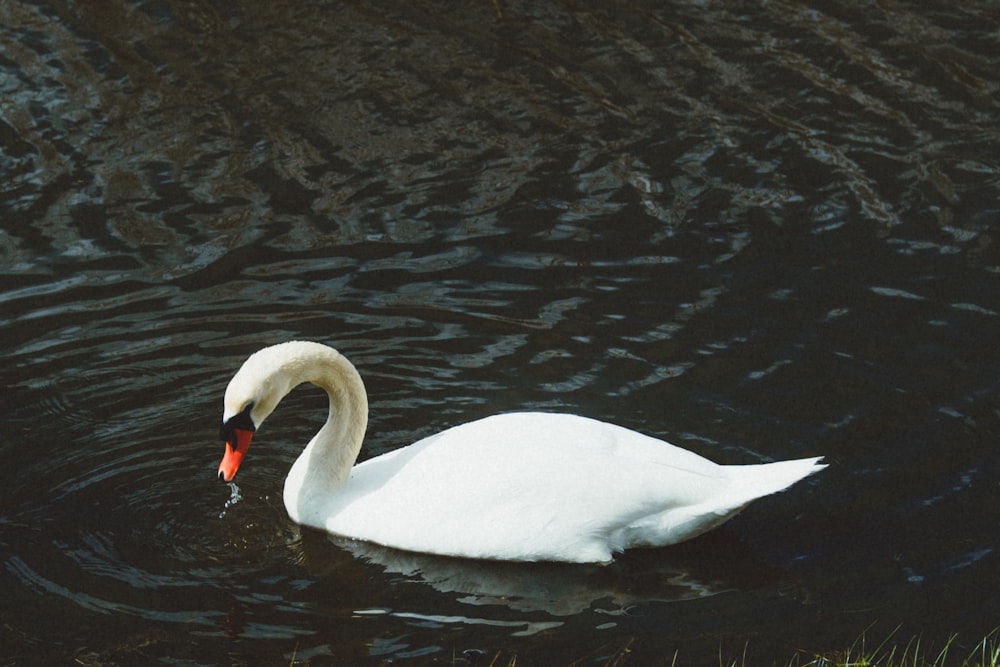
(761, 231)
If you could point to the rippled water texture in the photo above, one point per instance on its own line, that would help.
(759, 230)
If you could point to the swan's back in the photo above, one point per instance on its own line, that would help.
(540, 486)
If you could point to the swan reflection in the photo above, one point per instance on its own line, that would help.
(703, 568)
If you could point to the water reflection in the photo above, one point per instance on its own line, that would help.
(552, 588)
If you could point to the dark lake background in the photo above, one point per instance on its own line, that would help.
(760, 230)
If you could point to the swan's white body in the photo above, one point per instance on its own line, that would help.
(523, 486)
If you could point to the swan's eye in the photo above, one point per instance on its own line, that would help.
(241, 421)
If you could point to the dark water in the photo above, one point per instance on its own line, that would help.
(760, 230)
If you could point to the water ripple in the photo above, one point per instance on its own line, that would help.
(763, 231)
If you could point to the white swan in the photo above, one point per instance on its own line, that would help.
(526, 486)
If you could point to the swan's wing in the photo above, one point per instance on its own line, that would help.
(525, 486)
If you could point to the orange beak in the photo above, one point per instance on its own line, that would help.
(235, 452)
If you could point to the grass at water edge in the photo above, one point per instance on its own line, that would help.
(887, 653)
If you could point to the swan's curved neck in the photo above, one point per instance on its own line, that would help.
(326, 462)
(339, 441)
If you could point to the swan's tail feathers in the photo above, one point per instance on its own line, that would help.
(750, 482)
(746, 484)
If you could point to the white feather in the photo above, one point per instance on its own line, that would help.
(523, 486)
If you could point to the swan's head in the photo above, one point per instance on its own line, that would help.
(251, 396)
